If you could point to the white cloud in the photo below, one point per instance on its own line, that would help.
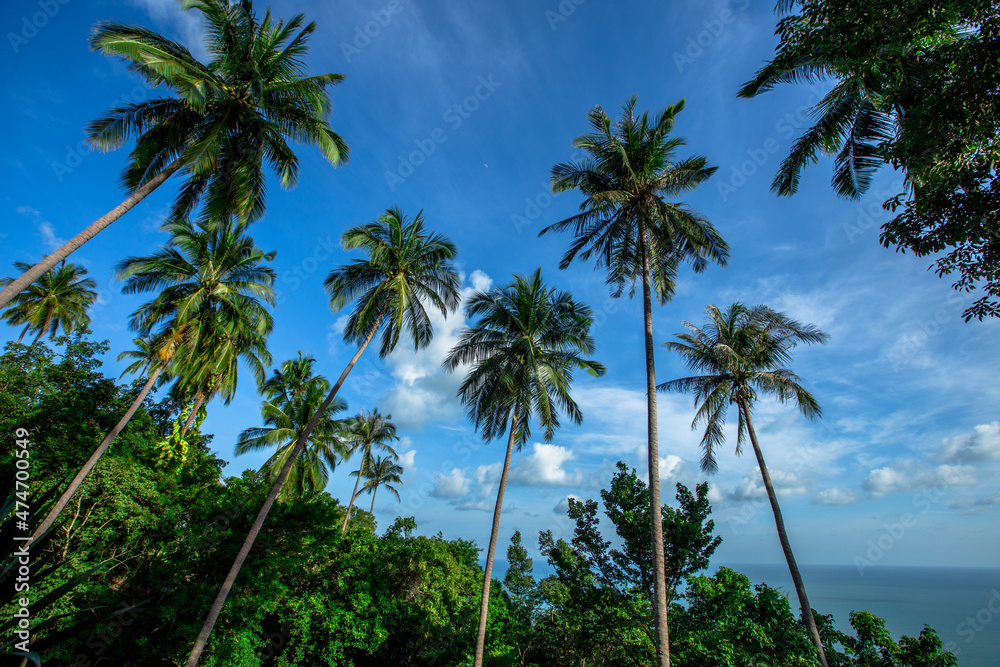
(909, 476)
(544, 467)
(751, 487)
(983, 444)
(424, 390)
(187, 24)
(453, 484)
(835, 496)
(49, 237)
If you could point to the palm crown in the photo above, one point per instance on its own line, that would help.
(406, 270)
(741, 351)
(382, 472)
(58, 298)
(212, 284)
(630, 168)
(524, 348)
(292, 395)
(228, 116)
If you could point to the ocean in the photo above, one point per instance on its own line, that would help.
(961, 604)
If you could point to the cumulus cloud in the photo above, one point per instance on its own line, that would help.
(835, 496)
(909, 476)
(544, 467)
(751, 487)
(452, 484)
(983, 444)
(424, 390)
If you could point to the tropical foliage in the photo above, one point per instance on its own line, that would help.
(59, 298)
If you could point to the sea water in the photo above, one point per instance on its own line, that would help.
(961, 604)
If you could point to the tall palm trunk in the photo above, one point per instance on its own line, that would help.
(374, 491)
(655, 508)
(227, 585)
(199, 399)
(95, 457)
(355, 493)
(90, 232)
(800, 588)
(484, 604)
(23, 331)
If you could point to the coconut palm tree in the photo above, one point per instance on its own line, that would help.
(523, 350)
(382, 471)
(210, 280)
(291, 397)
(224, 120)
(367, 431)
(630, 230)
(852, 120)
(406, 271)
(742, 352)
(59, 297)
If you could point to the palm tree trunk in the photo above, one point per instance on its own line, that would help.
(23, 331)
(374, 491)
(41, 332)
(90, 232)
(95, 457)
(199, 399)
(655, 508)
(355, 492)
(227, 584)
(484, 604)
(800, 588)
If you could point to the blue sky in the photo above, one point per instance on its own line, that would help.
(461, 110)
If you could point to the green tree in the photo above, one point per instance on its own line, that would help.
(608, 592)
(742, 351)
(382, 471)
(628, 228)
(370, 429)
(874, 646)
(914, 88)
(210, 281)
(406, 268)
(225, 119)
(58, 298)
(291, 397)
(522, 350)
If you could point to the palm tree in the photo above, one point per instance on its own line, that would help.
(852, 120)
(406, 268)
(291, 397)
(523, 351)
(383, 471)
(210, 281)
(224, 120)
(629, 229)
(59, 297)
(211, 277)
(742, 351)
(366, 431)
